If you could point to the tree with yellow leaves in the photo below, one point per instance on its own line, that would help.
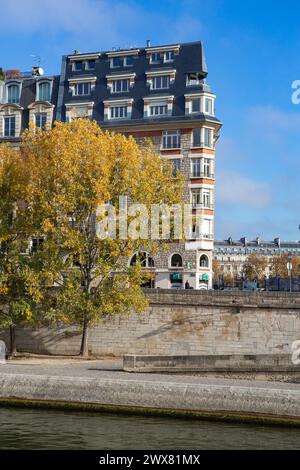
(279, 265)
(254, 268)
(18, 286)
(74, 169)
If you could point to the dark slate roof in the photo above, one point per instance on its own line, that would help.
(244, 243)
(191, 58)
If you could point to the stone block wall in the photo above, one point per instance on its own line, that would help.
(184, 322)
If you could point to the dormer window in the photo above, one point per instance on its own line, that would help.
(91, 64)
(159, 83)
(118, 109)
(159, 80)
(44, 91)
(82, 89)
(78, 65)
(169, 56)
(119, 86)
(82, 86)
(13, 94)
(164, 54)
(155, 58)
(116, 62)
(193, 78)
(128, 61)
(122, 61)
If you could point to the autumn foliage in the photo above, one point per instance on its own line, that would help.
(62, 176)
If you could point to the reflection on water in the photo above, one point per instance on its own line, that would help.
(42, 429)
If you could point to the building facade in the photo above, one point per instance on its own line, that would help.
(160, 93)
(26, 97)
(232, 254)
(152, 92)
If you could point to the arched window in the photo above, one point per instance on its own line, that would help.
(143, 258)
(44, 91)
(176, 261)
(204, 263)
(13, 94)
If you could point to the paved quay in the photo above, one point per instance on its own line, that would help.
(102, 384)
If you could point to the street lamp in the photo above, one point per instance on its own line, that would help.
(289, 268)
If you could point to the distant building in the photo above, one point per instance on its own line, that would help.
(232, 254)
(26, 97)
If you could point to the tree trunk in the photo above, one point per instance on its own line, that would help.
(13, 344)
(84, 339)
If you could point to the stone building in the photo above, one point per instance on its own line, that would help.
(160, 93)
(152, 92)
(26, 97)
(232, 254)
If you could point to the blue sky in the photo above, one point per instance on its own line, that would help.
(252, 50)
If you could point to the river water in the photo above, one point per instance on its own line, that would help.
(43, 429)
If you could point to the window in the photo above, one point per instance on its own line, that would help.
(155, 58)
(41, 120)
(78, 65)
(44, 91)
(207, 198)
(118, 112)
(36, 243)
(196, 167)
(169, 56)
(91, 64)
(208, 106)
(207, 167)
(176, 166)
(119, 86)
(143, 258)
(162, 82)
(193, 79)
(204, 263)
(196, 137)
(13, 94)
(171, 139)
(208, 137)
(82, 89)
(203, 137)
(196, 197)
(116, 62)
(10, 126)
(196, 105)
(176, 261)
(128, 61)
(158, 110)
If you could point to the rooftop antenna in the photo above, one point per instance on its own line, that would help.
(37, 59)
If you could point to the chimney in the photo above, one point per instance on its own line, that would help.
(277, 241)
(148, 43)
(257, 241)
(244, 241)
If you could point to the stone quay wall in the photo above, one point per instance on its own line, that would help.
(183, 323)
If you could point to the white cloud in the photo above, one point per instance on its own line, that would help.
(273, 124)
(238, 190)
(107, 23)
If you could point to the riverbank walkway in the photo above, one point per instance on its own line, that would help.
(103, 385)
